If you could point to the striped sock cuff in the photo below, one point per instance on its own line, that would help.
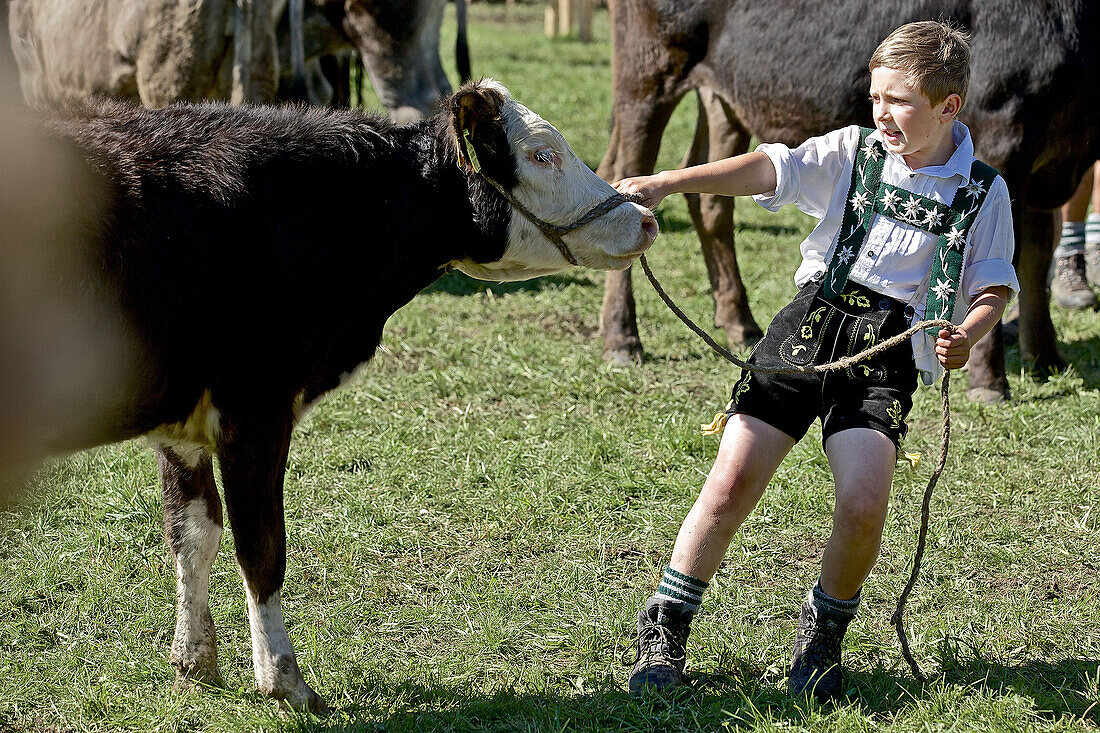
(838, 607)
(1072, 240)
(1092, 229)
(677, 586)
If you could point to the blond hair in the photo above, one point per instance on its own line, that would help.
(934, 55)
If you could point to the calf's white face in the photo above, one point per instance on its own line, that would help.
(557, 187)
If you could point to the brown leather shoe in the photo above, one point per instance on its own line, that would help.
(1069, 287)
(661, 646)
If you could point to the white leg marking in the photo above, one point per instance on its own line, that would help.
(273, 661)
(194, 647)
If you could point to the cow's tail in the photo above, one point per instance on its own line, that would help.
(241, 90)
(462, 49)
(298, 49)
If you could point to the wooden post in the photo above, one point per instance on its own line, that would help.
(565, 17)
(550, 26)
(584, 20)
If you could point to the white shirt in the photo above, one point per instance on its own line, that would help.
(896, 257)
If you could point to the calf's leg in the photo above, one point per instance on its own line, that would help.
(193, 528)
(253, 462)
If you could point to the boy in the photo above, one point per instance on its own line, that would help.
(909, 221)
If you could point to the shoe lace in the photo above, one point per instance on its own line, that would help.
(653, 638)
(821, 643)
(1071, 271)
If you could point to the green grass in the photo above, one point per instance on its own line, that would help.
(474, 522)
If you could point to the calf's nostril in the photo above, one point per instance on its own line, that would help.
(650, 227)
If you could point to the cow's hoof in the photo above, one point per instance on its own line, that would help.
(986, 395)
(1042, 367)
(740, 336)
(624, 357)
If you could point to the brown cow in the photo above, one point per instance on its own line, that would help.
(785, 71)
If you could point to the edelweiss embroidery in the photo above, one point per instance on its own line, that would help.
(943, 289)
(932, 217)
(890, 201)
(975, 189)
(860, 201)
(871, 150)
(911, 208)
(955, 238)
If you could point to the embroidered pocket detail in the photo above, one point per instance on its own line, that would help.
(802, 347)
(894, 413)
(862, 335)
(854, 298)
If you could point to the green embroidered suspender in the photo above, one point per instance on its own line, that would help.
(868, 196)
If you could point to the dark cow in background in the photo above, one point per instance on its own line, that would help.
(241, 313)
(785, 71)
(398, 43)
(158, 51)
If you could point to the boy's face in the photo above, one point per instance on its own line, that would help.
(909, 124)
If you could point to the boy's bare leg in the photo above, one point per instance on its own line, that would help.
(863, 462)
(749, 455)
(750, 452)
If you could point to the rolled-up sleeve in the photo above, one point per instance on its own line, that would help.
(806, 176)
(989, 257)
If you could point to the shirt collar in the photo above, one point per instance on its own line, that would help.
(957, 165)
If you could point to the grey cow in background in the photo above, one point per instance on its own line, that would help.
(155, 51)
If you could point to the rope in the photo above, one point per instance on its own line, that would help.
(839, 364)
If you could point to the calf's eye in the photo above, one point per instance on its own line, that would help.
(546, 156)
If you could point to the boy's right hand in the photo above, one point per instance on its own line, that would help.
(650, 188)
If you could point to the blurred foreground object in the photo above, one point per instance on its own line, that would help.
(58, 344)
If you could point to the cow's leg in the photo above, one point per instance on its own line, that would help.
(718, 136)
(1034, 231)
(193, 528)
(253, 462)
(635, 140)
(1035, 239)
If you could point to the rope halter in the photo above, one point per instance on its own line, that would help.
(553, 232)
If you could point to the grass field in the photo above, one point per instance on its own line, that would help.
(474, 522)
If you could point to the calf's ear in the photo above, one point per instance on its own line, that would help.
(480, 137)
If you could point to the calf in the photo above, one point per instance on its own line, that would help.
(247, 292)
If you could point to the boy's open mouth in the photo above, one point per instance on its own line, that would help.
(891, 136)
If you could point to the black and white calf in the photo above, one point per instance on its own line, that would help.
(251, 255)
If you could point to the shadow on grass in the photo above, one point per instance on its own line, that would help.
(745, 698)
(456, 283)
(1054, 687)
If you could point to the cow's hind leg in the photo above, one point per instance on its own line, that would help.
(253, 462)
(718, 135)
(193, 528)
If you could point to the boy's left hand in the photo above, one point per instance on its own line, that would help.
(953, 349)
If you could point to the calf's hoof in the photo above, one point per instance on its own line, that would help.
(197, 674)
(303, 699)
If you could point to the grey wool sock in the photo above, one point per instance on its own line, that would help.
(1092, 228)
(1073, 239)
(683, 588)
(823, 600)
